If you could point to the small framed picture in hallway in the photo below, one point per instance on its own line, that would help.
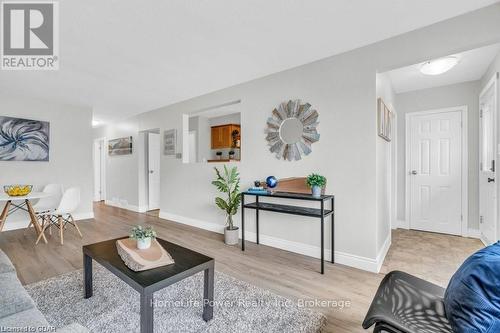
(384, 120)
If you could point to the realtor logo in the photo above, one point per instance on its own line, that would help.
(30, 35)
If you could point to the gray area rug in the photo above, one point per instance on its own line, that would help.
(114, 307)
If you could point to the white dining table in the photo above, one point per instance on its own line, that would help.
(14, 203)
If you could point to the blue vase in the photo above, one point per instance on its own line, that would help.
(271, 182)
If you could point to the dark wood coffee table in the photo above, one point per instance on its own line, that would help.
(187, 263)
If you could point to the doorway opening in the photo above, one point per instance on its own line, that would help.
(149, 177)
(447, 197)
(438, 174)
(99, 157)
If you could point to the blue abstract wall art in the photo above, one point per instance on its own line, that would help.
(24, 139)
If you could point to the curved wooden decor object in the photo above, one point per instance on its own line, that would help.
(293, 185)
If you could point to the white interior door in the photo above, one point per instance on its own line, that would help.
(99, 170)
(487, 172)
(435, 171)
(153, 171)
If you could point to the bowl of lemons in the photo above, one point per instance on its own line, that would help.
(17, 190)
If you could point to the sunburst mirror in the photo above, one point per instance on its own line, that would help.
(292, 130)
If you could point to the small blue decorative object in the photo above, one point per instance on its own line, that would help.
(271, 182)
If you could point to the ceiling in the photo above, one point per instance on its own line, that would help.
(125, 57)
(472, 66)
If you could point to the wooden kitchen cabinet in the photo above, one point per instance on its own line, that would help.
(221, 136)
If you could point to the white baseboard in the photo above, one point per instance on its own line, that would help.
(21, 224)
(474, 233)
(367, 264)
(127, 206)
(383, 252)
(143, 209)
(211, 226)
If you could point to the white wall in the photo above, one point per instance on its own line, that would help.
(437, 98)
(234, 118)
(384, 166)
(343, 90)
(71, 157)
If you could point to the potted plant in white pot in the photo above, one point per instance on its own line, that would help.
(316, 183)
(228, 182)
(143, 236)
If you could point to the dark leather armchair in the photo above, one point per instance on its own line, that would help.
(406, 304)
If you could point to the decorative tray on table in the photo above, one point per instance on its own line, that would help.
(141, 260)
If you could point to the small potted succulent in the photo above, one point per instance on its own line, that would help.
(316, 183)
(143, 235)
(219, 155)
(231, 154)
(228, 182)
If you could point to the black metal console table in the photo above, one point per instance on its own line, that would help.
(321, 213)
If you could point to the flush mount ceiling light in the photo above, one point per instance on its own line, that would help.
(438, 66)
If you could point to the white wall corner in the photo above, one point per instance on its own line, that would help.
(383, 252)
(401, 224)
(364, 263)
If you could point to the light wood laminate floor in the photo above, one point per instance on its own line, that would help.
(430, 256)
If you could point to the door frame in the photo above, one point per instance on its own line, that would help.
(465, 162)
(102, 168)
(492, 82)
(148, 184)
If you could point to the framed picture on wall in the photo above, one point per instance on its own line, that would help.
(120, 146)
(384, 120)
(170, 142)
(24, 139)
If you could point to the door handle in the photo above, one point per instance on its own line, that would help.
(413, 172)
(151, 171)
(491, 180)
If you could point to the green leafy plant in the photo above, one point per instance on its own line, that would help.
(140, 232)
(228, 182)
(316, 180)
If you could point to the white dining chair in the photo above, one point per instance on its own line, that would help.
(48, 204)
(63, 214)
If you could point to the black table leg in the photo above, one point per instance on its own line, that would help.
(333, 231)
(87, 275)
(208, 293)
(257, 217)
(146, 312)
(242, 222)
(322, 237)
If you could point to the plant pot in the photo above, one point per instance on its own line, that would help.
(231, 236)
(316, 191)
(144, 243)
